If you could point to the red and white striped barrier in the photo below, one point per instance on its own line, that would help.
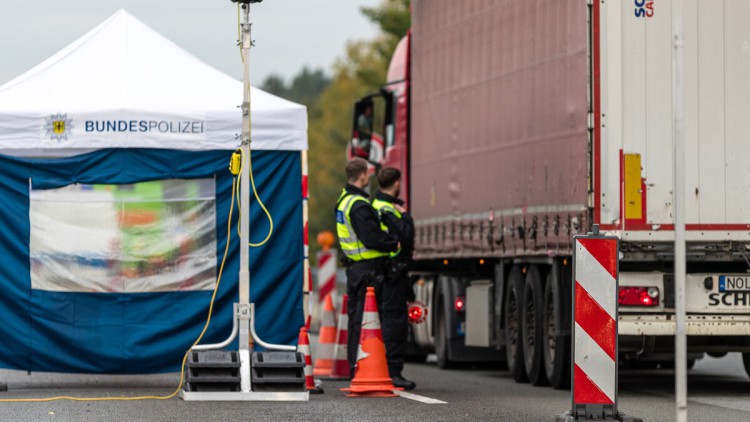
(307, 288)
(595, 316)
(595, 271)
(326, 274)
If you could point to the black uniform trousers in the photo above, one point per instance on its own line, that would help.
(394, 314)
(389, 278)
(359, 276)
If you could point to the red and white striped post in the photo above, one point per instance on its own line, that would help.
(594, 360)
(326, 274)
(307, 288)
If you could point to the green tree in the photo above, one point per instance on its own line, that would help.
(361, 71)
(391, 16)
(274, 84)
(305, 87)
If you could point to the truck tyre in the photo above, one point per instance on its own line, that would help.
(441, 338)
(556, 347)
(533, 326)
(513, 325)
(420, 358)
(746, 362)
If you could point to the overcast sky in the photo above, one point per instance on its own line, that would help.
(288, 34)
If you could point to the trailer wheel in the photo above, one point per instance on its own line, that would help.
(441, 339)
(513, 327)
(556, 347)
(746, 362)
(533, 326)
(421, 358)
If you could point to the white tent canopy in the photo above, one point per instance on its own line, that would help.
(123, 85)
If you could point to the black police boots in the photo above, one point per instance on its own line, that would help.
(401, 382)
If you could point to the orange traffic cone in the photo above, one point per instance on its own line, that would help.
(303, 346)
(371, 378)
(340, 361)
(326, 340)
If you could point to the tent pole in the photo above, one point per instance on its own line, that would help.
(244, 294)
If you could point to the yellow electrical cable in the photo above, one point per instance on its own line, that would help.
(257, 198)
(237, 193)
(184, 358)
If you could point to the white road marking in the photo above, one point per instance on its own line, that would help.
(417, 397)
(736, 403)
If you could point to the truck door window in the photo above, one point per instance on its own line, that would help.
(372, 128)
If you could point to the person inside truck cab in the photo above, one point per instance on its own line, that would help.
(364, 128)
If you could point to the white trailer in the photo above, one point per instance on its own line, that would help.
(633, 130)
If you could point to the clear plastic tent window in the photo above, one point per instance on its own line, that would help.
(147, 237)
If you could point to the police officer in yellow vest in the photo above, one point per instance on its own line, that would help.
(393, 315)
(365, 248)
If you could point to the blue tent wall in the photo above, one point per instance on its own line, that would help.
(132, 333)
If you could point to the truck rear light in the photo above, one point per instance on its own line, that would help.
(638, 296)
(460, 304)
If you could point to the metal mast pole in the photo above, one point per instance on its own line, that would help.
(244, 310)
(244, 295)
(678, 162)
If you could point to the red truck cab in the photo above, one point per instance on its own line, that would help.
(391, 148)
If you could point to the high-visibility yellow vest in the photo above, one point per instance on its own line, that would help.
(385, 206)
(350, 244)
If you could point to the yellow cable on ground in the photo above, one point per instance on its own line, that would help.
(184, 358)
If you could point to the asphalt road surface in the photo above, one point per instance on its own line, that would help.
(719, 390)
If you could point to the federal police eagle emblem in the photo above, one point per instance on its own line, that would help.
(58, 127)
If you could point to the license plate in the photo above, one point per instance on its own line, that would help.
(731, 283)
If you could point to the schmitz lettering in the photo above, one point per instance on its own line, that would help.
(729, 299)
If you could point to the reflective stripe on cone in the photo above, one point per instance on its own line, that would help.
(326, 340)
(340, 360)
(303, 346)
